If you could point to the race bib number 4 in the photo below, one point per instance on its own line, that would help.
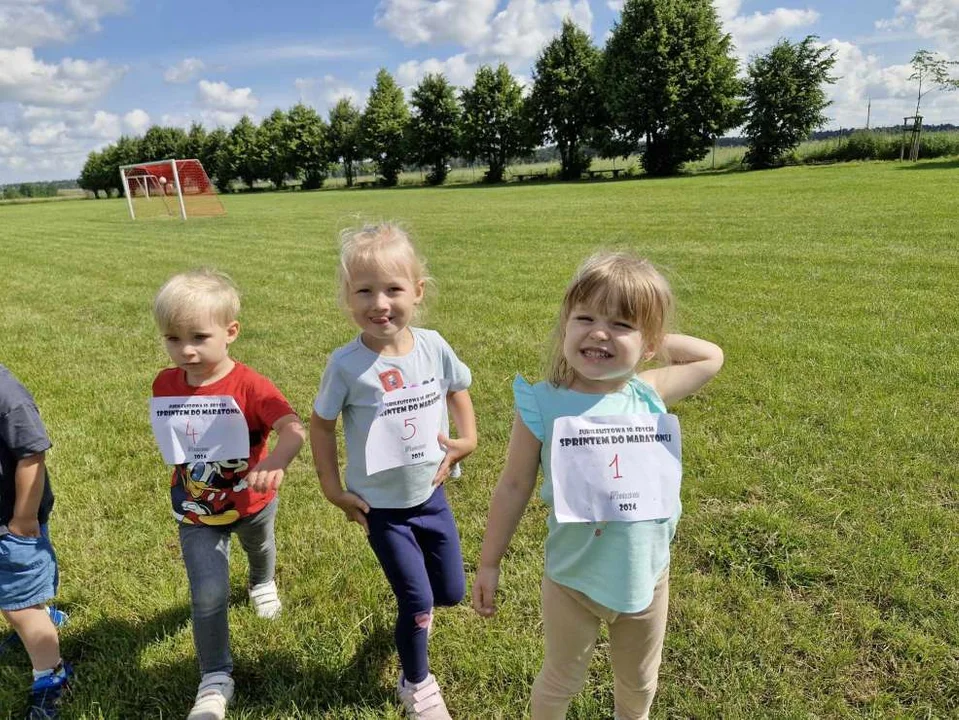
(405, 428)
(616, 467)
(199, 428)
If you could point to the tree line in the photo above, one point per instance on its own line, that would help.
(665, 85)
(15, 191)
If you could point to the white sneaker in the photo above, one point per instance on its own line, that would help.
(265, 600)
(212, 697)
(422, 700)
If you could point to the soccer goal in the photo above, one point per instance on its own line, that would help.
(169, 188)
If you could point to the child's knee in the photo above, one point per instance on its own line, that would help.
(209, 597)
(450, 590)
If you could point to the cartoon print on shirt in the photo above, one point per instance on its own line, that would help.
(201, 495)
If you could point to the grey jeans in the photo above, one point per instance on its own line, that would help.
(206, 553)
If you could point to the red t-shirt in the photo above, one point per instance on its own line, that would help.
(216, 493)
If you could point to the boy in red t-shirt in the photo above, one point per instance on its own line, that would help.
(211, 417)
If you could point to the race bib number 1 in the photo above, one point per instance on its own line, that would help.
(199, 428)
(616, 467)
(405, 428)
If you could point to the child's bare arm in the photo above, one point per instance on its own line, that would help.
(510, 498)
(692, 364)
(290, 436)
(326, 461)
(461, 408)
(29, 478)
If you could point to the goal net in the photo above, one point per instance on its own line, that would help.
(169, 188)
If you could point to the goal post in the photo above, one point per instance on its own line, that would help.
(169, 188)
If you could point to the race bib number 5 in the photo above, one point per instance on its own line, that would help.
(405, 428)
(616, 467)
(199, 428)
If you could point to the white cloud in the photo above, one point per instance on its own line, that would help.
(220, 96)
(933, 19)
(89, 12)
(47, 134)
(515, 35)
(416, 22)
(105, 125)
(221, 118)
(323, 93)
(524, 27)
(863, 79)
(8, 141)
(756, 32)
(457, 69)
(31, 23)
(184, 71)
(25, 78)
(136, 122)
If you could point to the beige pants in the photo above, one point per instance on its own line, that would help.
(571, 625)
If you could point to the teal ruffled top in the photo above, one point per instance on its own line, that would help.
(616, 564)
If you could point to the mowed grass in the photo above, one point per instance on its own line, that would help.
(816, 567)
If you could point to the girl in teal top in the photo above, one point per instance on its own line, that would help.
(591, 426)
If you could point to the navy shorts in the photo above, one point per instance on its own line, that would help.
(28, 571)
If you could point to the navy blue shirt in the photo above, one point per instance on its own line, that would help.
(21, 435)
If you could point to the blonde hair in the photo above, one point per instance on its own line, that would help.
(384, 246)
(187, 296)
(620, 284)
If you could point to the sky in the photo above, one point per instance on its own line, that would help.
(76, 74)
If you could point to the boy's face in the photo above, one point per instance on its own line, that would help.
(201, 348)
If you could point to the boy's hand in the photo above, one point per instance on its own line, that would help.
(484, 590)
(265, 476)
(456, 450)
(355, 508)
(24, 527)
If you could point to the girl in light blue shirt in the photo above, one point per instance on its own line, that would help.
(598, 427)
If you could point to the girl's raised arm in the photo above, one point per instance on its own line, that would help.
(510, 498)
(691, 364)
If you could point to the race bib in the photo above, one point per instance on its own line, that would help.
(405, 428)
(616, 467)
(199, 428)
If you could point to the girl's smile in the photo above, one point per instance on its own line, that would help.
(382, 303)
(603, 350)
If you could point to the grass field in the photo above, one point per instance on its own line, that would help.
(815, 572)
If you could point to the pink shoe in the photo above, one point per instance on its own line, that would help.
(422, 700)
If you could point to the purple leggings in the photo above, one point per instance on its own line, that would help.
(419, 550)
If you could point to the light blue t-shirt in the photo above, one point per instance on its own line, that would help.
(354, 383)
(615, 563)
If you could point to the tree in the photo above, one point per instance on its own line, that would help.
(494, 120)
(434, 128)
(669, 81)
(272, 139)
(162, 143)
(565, 105)
(92, 176)
(215, 158)
(785, 98)
(308, 144)
(384, 126)
(126, 151)
(932, 70)
(243, 152)
(344, 136)
(194, 143)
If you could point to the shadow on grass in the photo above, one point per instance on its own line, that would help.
(286, 686)
(113, 682)
(945, 164)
